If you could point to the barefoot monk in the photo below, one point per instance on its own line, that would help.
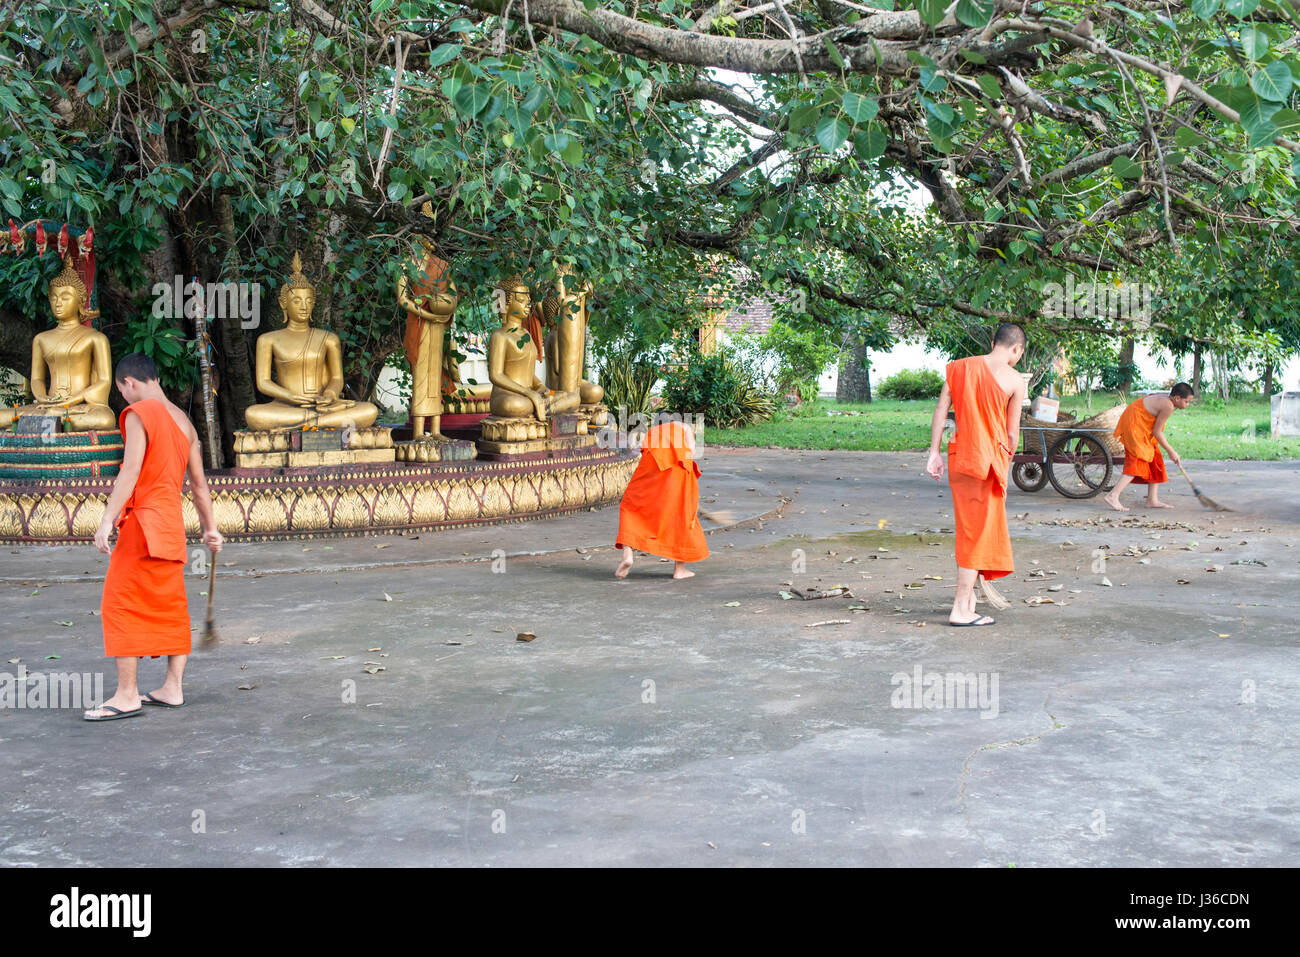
(659, 513)
(985, 393)
(1142, 430)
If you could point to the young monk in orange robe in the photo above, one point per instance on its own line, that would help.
(144, 609)
(659, 511)
(985, 393)
(1142, 430)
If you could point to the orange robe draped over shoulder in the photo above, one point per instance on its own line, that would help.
(1142, 458)
(144, 609)
(977, 468)
(659, 511)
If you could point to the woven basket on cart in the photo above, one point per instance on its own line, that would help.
(1032, 439)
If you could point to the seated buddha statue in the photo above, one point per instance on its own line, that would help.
(77, 361)
(512, 362)
(564, 312)
(300, 368)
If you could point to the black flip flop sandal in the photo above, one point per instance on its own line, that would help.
(974, 622)
(151, 700)
(117, 713)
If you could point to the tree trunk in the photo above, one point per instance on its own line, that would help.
(1126, 366)
(1268, 378)
(233, 361)
(854, 381)
(1197, 369)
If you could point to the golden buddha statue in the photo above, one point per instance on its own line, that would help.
(429, 296)
(564, 311)
(308, 370)
(77, 360)
(517, 393)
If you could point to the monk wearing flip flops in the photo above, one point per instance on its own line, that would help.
(144, 608)
(985, 393)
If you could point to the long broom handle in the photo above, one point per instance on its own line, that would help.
(212, 581)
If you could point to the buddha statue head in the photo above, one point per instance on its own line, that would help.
(513, 299)
(297, 295)
(68, 294)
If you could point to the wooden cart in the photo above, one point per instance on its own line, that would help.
(1078, 461)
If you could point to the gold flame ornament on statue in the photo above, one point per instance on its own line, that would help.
(429, 296)
(300, 368)
(517, 393)
(565, 313)
(75, 358)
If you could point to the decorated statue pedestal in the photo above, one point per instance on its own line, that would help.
(507, 440)
(428, 449)
(341, 500)
(37, 448)
(312, 448)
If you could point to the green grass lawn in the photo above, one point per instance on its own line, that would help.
(1237, 430)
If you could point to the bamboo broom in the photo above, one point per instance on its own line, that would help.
(1201, 496)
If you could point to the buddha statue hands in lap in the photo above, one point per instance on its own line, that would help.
(76, 358)
(300, 368)
(512, 362)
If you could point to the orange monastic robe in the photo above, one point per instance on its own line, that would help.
(978, 459)
(659, 511)
(1142, 458)
(144, 609)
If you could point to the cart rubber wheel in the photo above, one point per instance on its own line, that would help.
(1079, 465)
(1029, 476)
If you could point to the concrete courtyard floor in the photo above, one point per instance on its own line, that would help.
(1142, 722)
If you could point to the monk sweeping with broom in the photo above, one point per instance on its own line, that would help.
(985, 393)
(659, 513)
(1142, 430)
(144, 609)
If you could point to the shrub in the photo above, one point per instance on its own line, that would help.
(628, 381)
(912, 384)
(722, 386)
(801, 356)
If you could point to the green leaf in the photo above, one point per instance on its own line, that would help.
(1205, 9)
(396, 191)
(572, 153)
(832, 131)
(1125, 167)
(533, 98)
(932, 11)
(1188, 138)
(974, 13)
(323, 129)
(991, 87)
(471, 98)
(834, 54)
(1254, 42)
(1273, 82)
(941, 112)
(1257, 121)
(859, 108)
(870, 143)
(556, 142)
(1239, 8)
(443, 54)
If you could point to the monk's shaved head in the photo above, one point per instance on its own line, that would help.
(136, 366)
(1181, 391)
(1010, 335)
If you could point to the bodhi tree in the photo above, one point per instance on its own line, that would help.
(653, 145)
